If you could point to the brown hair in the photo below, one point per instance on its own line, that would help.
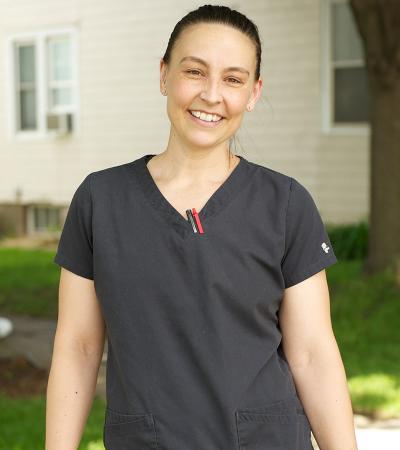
(217, 14)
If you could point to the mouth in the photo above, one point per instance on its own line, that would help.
(207, 123)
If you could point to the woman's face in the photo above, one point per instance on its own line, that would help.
(211, 70)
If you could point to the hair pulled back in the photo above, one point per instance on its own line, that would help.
(222, 15)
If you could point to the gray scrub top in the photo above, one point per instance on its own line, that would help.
(195, 360)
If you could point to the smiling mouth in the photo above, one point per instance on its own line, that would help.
(205, 124)
(209, 114)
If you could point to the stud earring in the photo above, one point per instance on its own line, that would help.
(248, 108)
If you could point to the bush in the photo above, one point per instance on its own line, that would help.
(350, 242)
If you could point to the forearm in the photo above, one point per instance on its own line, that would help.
(70, 392)
(323, 390)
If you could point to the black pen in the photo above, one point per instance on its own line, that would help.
(191, 219)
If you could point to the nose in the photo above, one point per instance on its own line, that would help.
(211, 91)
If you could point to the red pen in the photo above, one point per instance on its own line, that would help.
(197, 219)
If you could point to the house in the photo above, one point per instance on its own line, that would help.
(80, 92)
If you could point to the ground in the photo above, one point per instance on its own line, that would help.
(45, 241)
(19, 378)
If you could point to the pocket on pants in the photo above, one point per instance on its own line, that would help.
(129, 431)
(281, 425)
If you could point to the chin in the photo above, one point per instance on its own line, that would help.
(202, 143)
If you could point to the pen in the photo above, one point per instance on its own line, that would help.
(190, 218)
(197, 218)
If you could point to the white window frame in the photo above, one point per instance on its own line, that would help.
(328, 127)
(30, 219)
(39, 39)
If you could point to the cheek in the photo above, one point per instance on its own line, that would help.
(183, 92)
(236, 103)
(239, 100)
(178, 97)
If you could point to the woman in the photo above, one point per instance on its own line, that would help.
(208, 272)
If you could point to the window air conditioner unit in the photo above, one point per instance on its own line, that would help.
(60, 123)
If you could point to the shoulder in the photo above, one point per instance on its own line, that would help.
(280, 188)
(110, 173)
(109, 178)
(272, 180)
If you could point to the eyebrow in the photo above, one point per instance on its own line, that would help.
(201, 61)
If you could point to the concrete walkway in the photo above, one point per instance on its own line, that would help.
(34, 338)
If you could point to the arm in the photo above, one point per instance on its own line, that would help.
(77, 352)
(311, 350)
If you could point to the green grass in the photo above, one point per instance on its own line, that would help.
(365, 314)
(28, 282)
(365, 317)
(22, 424)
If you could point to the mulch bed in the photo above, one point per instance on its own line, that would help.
(19, 378)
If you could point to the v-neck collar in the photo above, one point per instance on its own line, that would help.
(216, 202)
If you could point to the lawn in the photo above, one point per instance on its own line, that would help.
(22, 424)
(365, 313)
(28, 282)
(365, 317)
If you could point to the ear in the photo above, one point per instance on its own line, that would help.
(256, 93)
(163, 74)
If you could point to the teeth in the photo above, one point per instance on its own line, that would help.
(205, 117)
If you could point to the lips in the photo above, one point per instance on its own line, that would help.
(204, 123)
(207, 112)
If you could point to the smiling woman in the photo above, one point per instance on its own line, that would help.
(186, 258)
(214, 79)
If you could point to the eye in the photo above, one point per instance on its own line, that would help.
(235, 80)
(193, 70)
(196, 72)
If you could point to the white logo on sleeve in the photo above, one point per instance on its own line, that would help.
(325, 247)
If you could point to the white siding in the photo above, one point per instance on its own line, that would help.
(122, 114)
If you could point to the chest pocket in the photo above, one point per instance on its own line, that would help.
(279, 426)
(129, 431)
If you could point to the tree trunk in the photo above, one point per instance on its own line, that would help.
(378, 22)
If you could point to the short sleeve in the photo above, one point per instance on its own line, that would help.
(75, 247)
(308, 249)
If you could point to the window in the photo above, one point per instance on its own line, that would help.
(345, 84)
(43, 219)
(26, 86)
(60, 73)
(43, 79)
